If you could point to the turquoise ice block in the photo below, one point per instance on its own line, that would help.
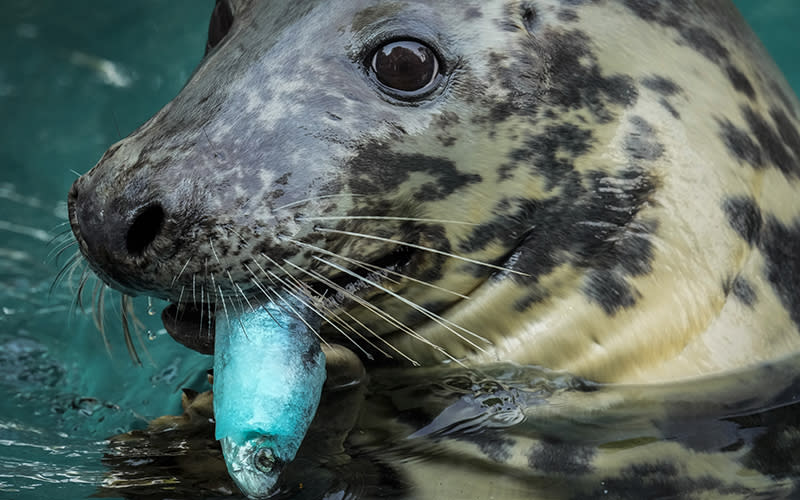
(268, 376)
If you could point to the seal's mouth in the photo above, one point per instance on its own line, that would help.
(193, 323)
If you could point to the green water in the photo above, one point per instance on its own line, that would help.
(74, 78)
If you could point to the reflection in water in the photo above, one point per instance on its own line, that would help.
(505, 431)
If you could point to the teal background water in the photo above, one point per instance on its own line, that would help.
(74, 78)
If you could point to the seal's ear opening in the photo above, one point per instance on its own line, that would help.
(220, 24)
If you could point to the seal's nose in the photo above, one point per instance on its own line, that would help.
(113, 233)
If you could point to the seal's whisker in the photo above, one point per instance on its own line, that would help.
(57, 251)
(74, 260)
(379, 313)
(288, 286)
(419, 247)
(98, 313)
(444, 323)
(374, 334)
(65, 224)
(297, 314)
(61, 230)
(334, 316)
(179, 312)
(257, 283)
(178, 276)
(238, 306)
(315, 198)
(302, 289)
(323, 318)
(139, 328)
(60, 237)
(387, 218)
(202, 311)
(330, 317)
(366, 265)
(98, 305)
(220, 298)
(214, 251)
(211, 315)
(241, 292)
(126, 330)
(86, 275)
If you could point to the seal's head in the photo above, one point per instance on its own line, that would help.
(593, 186)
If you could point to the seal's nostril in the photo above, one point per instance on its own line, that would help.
(144, 229)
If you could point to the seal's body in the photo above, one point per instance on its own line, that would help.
(607, 188)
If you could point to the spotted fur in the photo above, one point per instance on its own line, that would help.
(609, 188)
(640, 198)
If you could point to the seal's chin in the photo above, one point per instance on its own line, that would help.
(192, 325)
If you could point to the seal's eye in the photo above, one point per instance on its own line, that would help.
(406, 68)
(221, 21)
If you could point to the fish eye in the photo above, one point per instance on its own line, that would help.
(406, 69)
(220, 24)
(265, 461)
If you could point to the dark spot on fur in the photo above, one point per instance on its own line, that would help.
(744, 291)
(662, 85)
(787, 130)
(776, 432)
(559, 230)
(682, 15)
(567, 15)
(609, 290)
(669, 107)
(473, 13)
(642, 143)
(556, 457)
(659, 480)
(446, 140)
(649, 10)
(788, 100)
(772, 142)
(744, 216)
(447, 120)
(377, 169)
(494, 445)
(740, 82)
(740, 144)
(578, 80)
(535, 294)
(780, 245)
(529, 17)
(705, 43)
(551, 154)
